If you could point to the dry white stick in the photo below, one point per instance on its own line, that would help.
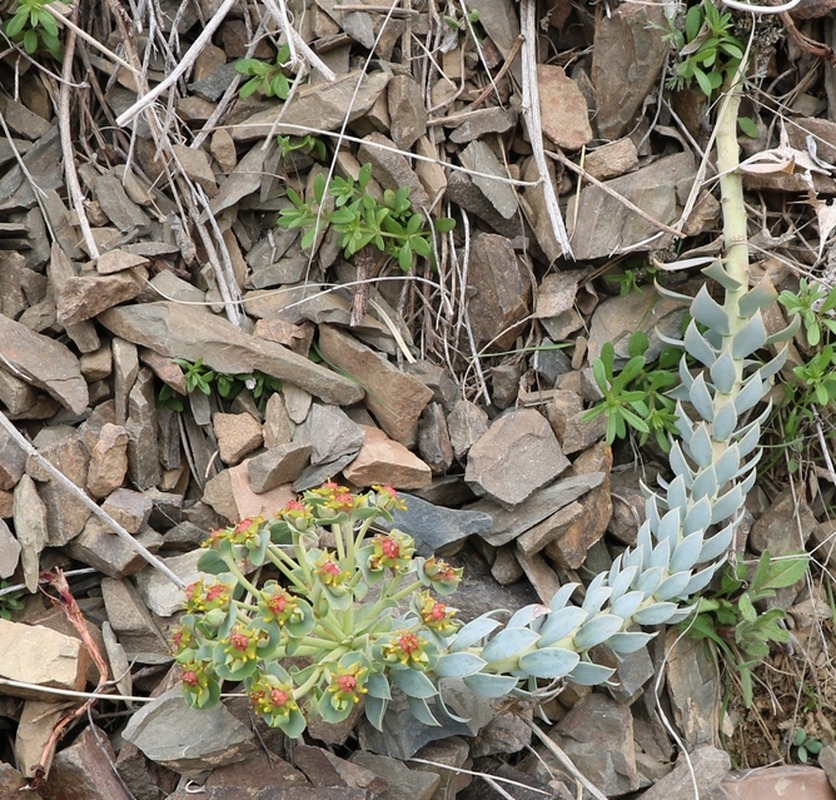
(188, 59)
(70, 174)
(111, 523)
(82, 34)
(531, 116)
(295, 42)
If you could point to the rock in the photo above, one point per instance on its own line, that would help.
(436, 528)
(222, 148)
(506, 567)
(612, 160)
(568, 548)
(407, 111)
(125, 372)
(130, 619)
(9, 551)
(629, 54)
(476, 124)
(42, 657)
(822, 130)
(827, 761)
(12, 461)
(159, 593)
(261, 768)
(450, 759)
(280, 465)
(778, 783)
(462, 191)
(617, 318)
(237, 435)
(785, 527)
(563, 109)
(506, 733)
(403, 735)
(434, 439)
(197, 166)
(693, 688)
(331, 433)
(395, 398)
(12, 783)
(186, 739)
(536, 538)
(277, 427)
(34, 732)
(510, 523)
(597, 734)
(129, 508)
(566, 416)
(555, 303)
(391, 169)
(45, 363)
(316, 476)
(85, 769)
(187, 332)
(83, 298)
(467, 423)
(505, 384)
(324, 106)
(404, 783)
(518, 455)
(119, 261)
(706, 766)
(500, 289)
(382, 460)
(144, 779)
(126, 215)
(540, 575)
(98, 547)
(482, 163)
(323, 768)
(31, 528)
(141, 427)
(247, 502)
(108, 461)
(618, 229)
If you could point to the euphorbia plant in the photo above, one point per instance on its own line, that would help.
(337, 614)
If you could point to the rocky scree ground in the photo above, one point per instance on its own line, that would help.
(133, 238)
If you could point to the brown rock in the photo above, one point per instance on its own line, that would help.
(384, 461)
(250, 504)
(187, 332)
(467, 423)
(612, 160)
(196, 164)
(66, 513)
(141, 425)
(563, 109)
(131, 620)
(31, 528)
(395, 399)
(118, 261)
(222, 148)
(81, 299)
(37, 723)
(98, 547)
(9, 551)
(237, 435)
(501, 291)
(281, 464)
(46, 363)
(129, 508)
(779, 783)
(517, 456)
(108, 461)
(40, 656)
(406, 110)
(12, 461)
(434, 439)
(785, 527)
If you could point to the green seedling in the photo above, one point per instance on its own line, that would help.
(11, 600)
(632, 279)
(730, 621)
(708, 53)
(813, 305)
(265, 77)
(35, 28)
(805, 746)
(308, 145)
(634, 397)
(389, 225)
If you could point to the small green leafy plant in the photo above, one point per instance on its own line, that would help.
(805, 746)
(706, 49)
(35, 28)
(730, 621)
(633, 278)
(328, 627)
(268, 78)
(814, 306)
(308, 145)
(634, 397)
(10, 600)
(200, 378)
(389, 225)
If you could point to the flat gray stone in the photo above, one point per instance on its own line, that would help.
(187, 739)
(518, 455)
(331, 433)
(435, 527)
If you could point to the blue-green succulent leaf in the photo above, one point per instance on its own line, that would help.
(549, 662)
(491, 685)
(588, 674)
(508, 643)
(597, 630)
(457, 665)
